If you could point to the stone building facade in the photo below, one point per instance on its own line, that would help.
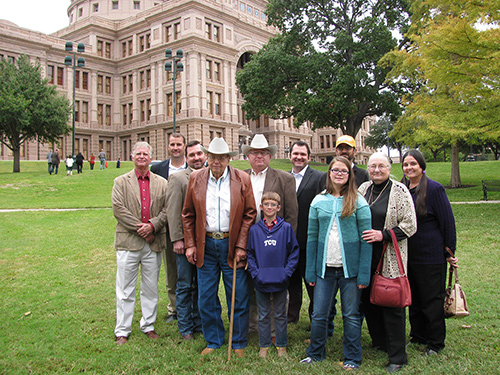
(123, 94)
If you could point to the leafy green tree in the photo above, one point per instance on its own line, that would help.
(322, 67)
(30, 108)
(380, 135)
(453, 55)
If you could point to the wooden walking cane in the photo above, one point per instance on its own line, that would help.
(231, 317)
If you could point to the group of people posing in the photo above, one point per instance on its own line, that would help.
(266, 231)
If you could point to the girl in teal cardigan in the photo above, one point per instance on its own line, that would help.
(338, 258)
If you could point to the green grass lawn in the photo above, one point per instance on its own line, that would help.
(57, 287)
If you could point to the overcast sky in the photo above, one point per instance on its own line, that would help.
(38, 15)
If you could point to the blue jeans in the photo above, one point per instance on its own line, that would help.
(324, 293)
(186, 297)
(280, 318)
(216, 252)
(103, 162)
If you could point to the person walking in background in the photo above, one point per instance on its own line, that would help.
(69, 165)
(176, 163)
(49, 161)
(338, 259)
(139, 241)
(118, 163)
(186, 291)
(218, 212)
(392, 208)
(273, 254)
(79, 162)
(102, 157)
(427, 253)
(55, 161)
(308, 183)
(92, 161)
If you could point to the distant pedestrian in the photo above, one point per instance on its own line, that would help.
(55, 161)
(102, 157)
(118, 163)
(49, 161)
(92, 161)
(69, 165)
(79, 162)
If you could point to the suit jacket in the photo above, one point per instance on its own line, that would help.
(312, 184)
(283, 183)
(176, 194)
(162, 168)
(126, 200)
(360, 175)
(194, 213)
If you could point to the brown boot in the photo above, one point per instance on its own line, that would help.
(263, 352)
(282, 351)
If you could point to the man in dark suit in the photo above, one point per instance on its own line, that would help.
(308, 183)
(176, 163)
(264, 179)
(346, 147)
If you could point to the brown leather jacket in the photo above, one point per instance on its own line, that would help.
(194, 216)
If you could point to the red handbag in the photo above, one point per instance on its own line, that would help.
(390, 292)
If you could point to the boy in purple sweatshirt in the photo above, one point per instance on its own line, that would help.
(273, 254)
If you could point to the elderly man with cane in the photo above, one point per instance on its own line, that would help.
(218, 212)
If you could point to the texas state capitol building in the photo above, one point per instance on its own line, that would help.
(124, 95)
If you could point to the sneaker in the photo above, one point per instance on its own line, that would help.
(348, 366)
(307, 361)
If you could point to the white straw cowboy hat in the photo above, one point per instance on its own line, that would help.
(259, 142)
(218, 146)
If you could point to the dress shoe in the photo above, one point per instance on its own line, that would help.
(239, 352)
(120, 340)
(171, 318)
(207, 351)
(188, 337)
(263, 352)
(392, 367)
(281, 351)
(152, 335)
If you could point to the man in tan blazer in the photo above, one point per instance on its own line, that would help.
(218, 212)
(265, 179)
(186, 292)
(139, 206)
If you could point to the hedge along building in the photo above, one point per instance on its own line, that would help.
(123, 94)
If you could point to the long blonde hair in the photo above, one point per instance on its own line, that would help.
(348, 192)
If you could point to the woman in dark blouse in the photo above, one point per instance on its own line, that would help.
(427, 254)
(392, 208)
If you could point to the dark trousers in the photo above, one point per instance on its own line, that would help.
(79, 167)
(427, 282)
(295, 290)
(386, 326)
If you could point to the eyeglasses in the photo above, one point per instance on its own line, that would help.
(342, 172)
(270, 204)
(382, 167)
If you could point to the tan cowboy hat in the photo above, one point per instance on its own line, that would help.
(259, 142)
(218, 146)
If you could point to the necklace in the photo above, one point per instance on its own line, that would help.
(380, 194)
